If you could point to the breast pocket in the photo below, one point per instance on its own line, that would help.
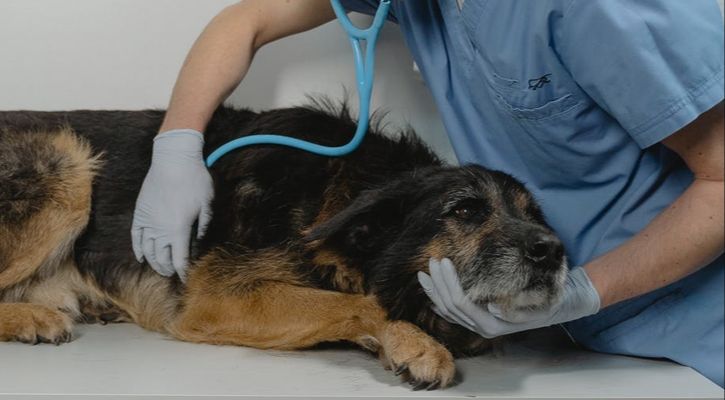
(550, 124)
(534, 98)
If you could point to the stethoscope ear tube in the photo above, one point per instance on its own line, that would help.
(365, 74)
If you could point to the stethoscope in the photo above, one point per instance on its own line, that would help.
(364, 72)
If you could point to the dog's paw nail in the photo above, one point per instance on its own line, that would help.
(418, 385)
(401, 368)
(433, 385)
(64, 338)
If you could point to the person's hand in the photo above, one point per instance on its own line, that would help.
(579, 299)
(176, 192)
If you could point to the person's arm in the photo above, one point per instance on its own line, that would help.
(221, 56)
(177, 190)
(684, 237)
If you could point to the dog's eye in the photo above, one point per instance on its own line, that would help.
(463, 212)
(471, 210)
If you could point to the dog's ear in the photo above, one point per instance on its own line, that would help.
(363, 225)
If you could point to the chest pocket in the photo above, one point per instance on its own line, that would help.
(516, 80)
(545, 115)
(512, 53)
(536, 96)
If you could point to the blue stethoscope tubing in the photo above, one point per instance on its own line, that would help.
(364, 72)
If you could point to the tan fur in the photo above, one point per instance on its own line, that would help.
(336, 198)
(59, 291)
(36, 264)
(455, 243)
(286, 317)
(76, 296)
(47, 237)
(404, 344)
(148, 301)
(346, 278)
(249, 270)
(521, 201)
(33, 323)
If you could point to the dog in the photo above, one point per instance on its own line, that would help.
(301, 249)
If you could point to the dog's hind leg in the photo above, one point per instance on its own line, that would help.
(285, 316)
(45, 201)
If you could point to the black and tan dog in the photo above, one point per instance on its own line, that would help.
(301, 249)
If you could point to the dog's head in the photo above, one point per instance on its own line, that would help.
(485, 221)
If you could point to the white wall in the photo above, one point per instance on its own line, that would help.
(125, 54)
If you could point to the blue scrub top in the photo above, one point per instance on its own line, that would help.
(572, 97)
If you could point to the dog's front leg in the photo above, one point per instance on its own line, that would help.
(285, 316)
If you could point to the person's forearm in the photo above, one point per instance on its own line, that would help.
(214, 67)
(687, 235)
(221, 56)
(682, 239)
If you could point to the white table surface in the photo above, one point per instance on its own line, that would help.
(122, 361)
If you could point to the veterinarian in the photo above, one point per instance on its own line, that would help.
(610, 111)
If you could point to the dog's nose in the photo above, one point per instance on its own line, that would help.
(543, 246)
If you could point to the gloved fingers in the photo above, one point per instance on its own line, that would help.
(487, 325)
(438, 306)
(425, 283)
(443, 315)
(448, 299)
(519, 316)
(147, 246)
(180, 256)
(581, 293)
(204, 219)
(162, 251)
(449, 276)
(136, 240)
(149, 253)
(449, 279)
(430, 291)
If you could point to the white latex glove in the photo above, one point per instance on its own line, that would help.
(578, 300)
(176, 192)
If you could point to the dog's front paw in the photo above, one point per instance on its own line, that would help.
(421, 360)
(32, 323)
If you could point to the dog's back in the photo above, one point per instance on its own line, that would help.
(269, 192)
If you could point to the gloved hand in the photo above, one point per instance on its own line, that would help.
(176, 192)
(578, 300)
